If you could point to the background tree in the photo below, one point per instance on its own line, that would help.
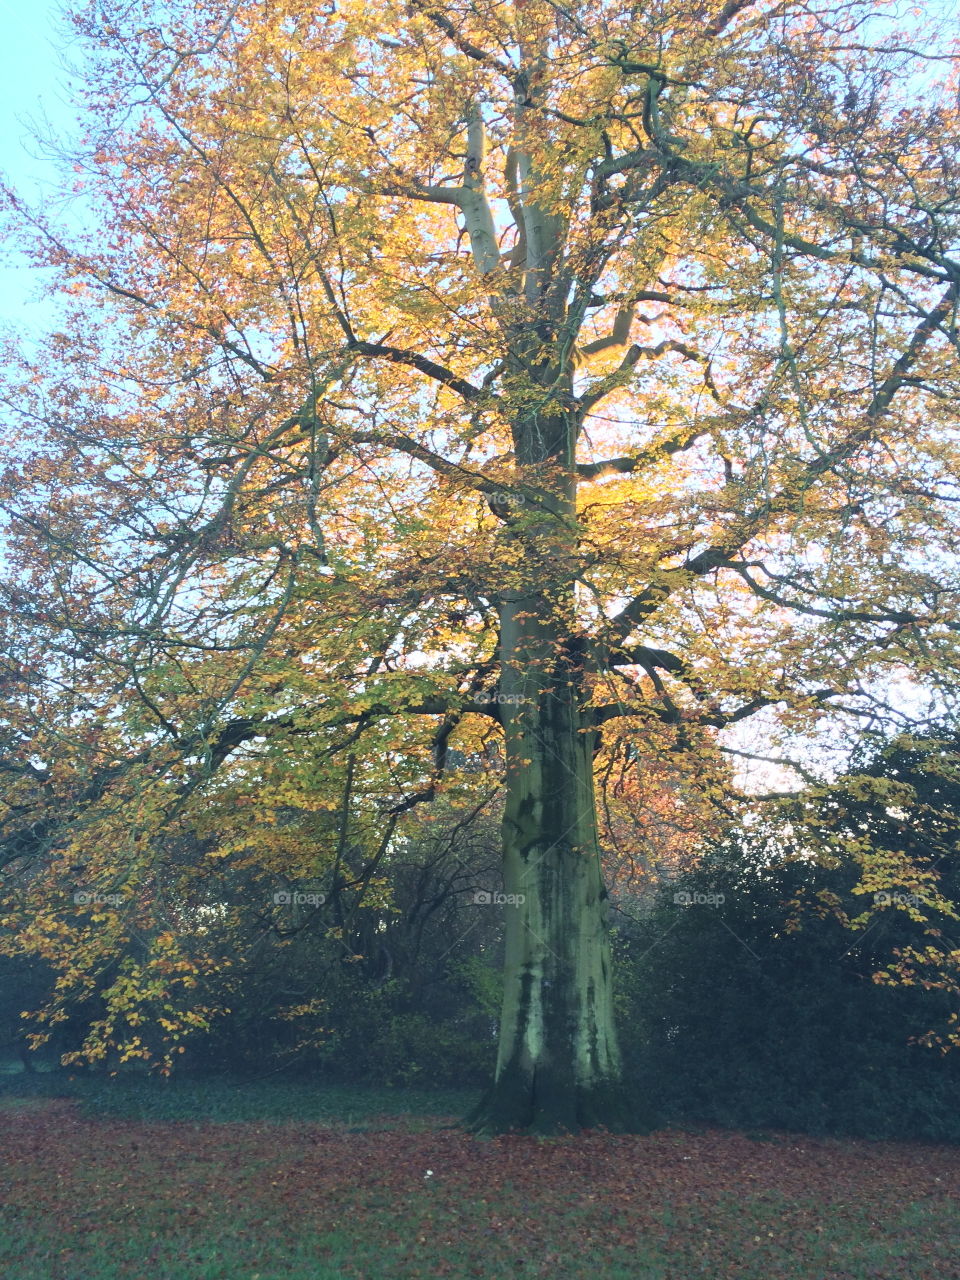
(754, 987)
(480, 377)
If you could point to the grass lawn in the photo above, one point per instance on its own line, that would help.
(131, 1181)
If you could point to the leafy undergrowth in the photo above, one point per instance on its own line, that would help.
(108, 1197)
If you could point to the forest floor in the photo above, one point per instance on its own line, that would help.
(137, 1182)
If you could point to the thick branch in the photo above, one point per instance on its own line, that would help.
(473, 199)
(652, 597)
(457, 38)
(442, 466)
(898, 616)
(401, 355)
(618, 335)
(726, 16)
(621, 375)
(628, 464)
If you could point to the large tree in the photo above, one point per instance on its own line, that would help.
(554, 381)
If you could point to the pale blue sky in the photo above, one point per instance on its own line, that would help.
(32, 88)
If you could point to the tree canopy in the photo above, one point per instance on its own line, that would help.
(463, 395)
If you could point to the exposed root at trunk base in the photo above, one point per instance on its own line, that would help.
(521, 1107)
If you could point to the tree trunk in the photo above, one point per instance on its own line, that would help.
(559, 1066)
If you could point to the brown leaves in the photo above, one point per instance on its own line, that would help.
(441, 1203)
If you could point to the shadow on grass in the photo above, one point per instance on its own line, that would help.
(201, 1100)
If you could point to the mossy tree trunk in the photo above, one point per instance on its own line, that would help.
(559, 1066)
